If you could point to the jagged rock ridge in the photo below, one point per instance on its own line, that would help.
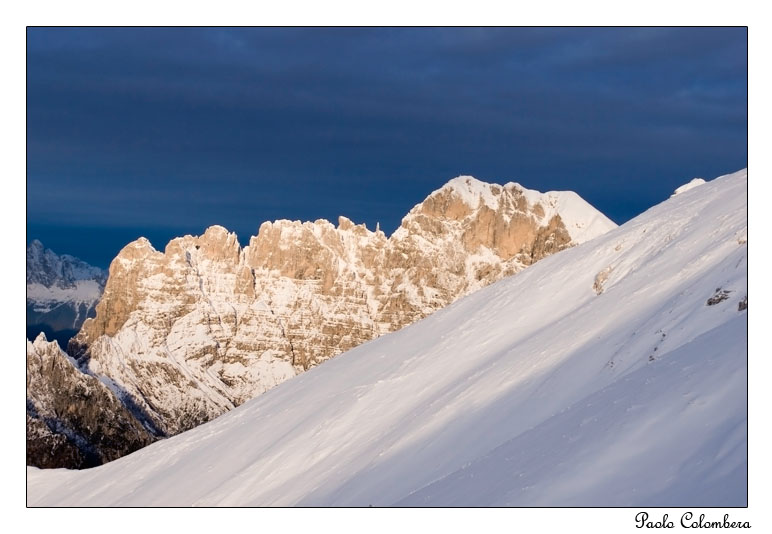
(198, 329)
(73, 420)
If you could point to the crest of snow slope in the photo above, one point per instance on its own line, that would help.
(557, 386)
(687, 186)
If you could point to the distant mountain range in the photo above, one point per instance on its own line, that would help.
(62, 291)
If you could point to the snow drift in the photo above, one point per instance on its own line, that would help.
(612, 373)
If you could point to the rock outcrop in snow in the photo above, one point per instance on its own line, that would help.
(73, 420)
(193, 331)
(62, 291)
(538, 390)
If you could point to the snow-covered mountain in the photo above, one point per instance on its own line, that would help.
(612, 373)
(73, 420)
(189, 333)
(62, 291)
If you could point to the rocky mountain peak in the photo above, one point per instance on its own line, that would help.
(139, 249)
(35, 248)
(40, 341)
(473, 192)
(347, 225)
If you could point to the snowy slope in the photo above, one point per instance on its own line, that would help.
(599, 375)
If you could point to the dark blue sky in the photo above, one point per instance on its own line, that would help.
(165, 131)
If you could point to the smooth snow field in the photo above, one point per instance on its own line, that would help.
(599, 376)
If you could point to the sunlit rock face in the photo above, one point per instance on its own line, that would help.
(195, 330)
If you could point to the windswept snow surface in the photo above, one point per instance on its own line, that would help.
(597, 376)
